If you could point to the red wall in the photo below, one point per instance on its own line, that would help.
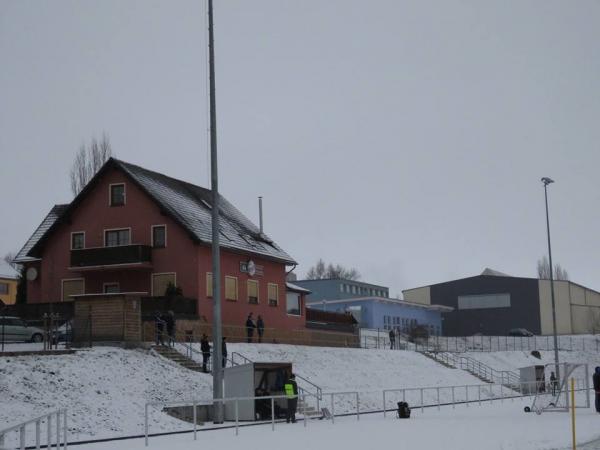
(236, 312)
(189, 260)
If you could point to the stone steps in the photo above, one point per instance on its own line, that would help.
(173, 355)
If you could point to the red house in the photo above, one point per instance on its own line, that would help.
(135, 230)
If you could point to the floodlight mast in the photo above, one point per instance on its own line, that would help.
(546, 181)
(217, 369)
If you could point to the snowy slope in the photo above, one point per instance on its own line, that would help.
(104, 389)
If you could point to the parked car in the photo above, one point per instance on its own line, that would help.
(15, 329)
(63, 333)
(520, 332)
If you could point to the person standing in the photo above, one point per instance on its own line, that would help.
(250, 326)
(170, 324)
(291, 391)
(205, 349)
(260, 327)
(596, 382)
(392, 339)
(224, 351)
(159, 326)
(553, 383)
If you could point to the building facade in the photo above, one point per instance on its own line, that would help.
(9, 280)
(335, 289)
(387, 313)
(371, 306)
(138, 231)
(494, 303)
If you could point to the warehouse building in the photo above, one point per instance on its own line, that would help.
(494, 303)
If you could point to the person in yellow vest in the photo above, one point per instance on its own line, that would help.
(291, 391)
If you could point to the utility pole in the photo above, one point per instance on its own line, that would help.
(546, 182)
(217, 369)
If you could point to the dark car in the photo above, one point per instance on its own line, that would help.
(520, 332)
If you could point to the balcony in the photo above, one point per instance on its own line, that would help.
(107, 258)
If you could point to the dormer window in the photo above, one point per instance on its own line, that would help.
(117, 194)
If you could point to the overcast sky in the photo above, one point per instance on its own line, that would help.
(404, 138)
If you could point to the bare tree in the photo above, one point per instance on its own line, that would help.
(88, 161)
(543, 269)
(322, 271)
(9, 259)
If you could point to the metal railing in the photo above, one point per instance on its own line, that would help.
(477, 368)
(379, 339)
(21, 428)
(464, 394)
(236, 400)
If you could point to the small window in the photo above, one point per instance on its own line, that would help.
(111, 288)
(293, 303)
(160, 283)
(117, 194)
(3, 288)
(252, 286)
(209, 283)
(77, 240)
(114, 238)
(72, 287)
(231, 288)
(341, 288)
(273, 294)
(159, 236)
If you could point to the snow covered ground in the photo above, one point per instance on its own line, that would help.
(499, 426)
(105, 389)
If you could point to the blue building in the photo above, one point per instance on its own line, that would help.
(371, 306)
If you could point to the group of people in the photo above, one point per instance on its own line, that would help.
(164, 324)
(251, 326)
(205, 348)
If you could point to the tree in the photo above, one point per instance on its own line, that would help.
(322, 271)
(88, 161)
(9, 260)
(543, 269)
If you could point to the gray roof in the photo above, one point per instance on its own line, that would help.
(493, 273)
(190, 206)
(48, 221)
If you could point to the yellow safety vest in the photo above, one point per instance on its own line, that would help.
(289, 390)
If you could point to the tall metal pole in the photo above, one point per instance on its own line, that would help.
(546, 182)
(217, 369)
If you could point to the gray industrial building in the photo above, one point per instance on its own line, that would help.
(494, 303)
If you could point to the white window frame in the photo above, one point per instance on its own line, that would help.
(110, 283)
(62, 286)
(118, 229)
(152, 235)
(299, 304)
(160, 273)
(77, 232)
(110, 193)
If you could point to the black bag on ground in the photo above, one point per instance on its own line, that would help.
(403, 410)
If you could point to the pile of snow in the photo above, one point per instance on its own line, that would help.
(104, 389)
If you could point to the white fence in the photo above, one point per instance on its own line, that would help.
(21, 436)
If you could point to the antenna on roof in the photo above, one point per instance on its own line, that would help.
(260, 215)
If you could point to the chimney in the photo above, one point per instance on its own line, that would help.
(260, 215)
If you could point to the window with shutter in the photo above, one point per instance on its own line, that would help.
(160, 282)
(209, 283)
(273, 294)
(252, 292)
(231, 288)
